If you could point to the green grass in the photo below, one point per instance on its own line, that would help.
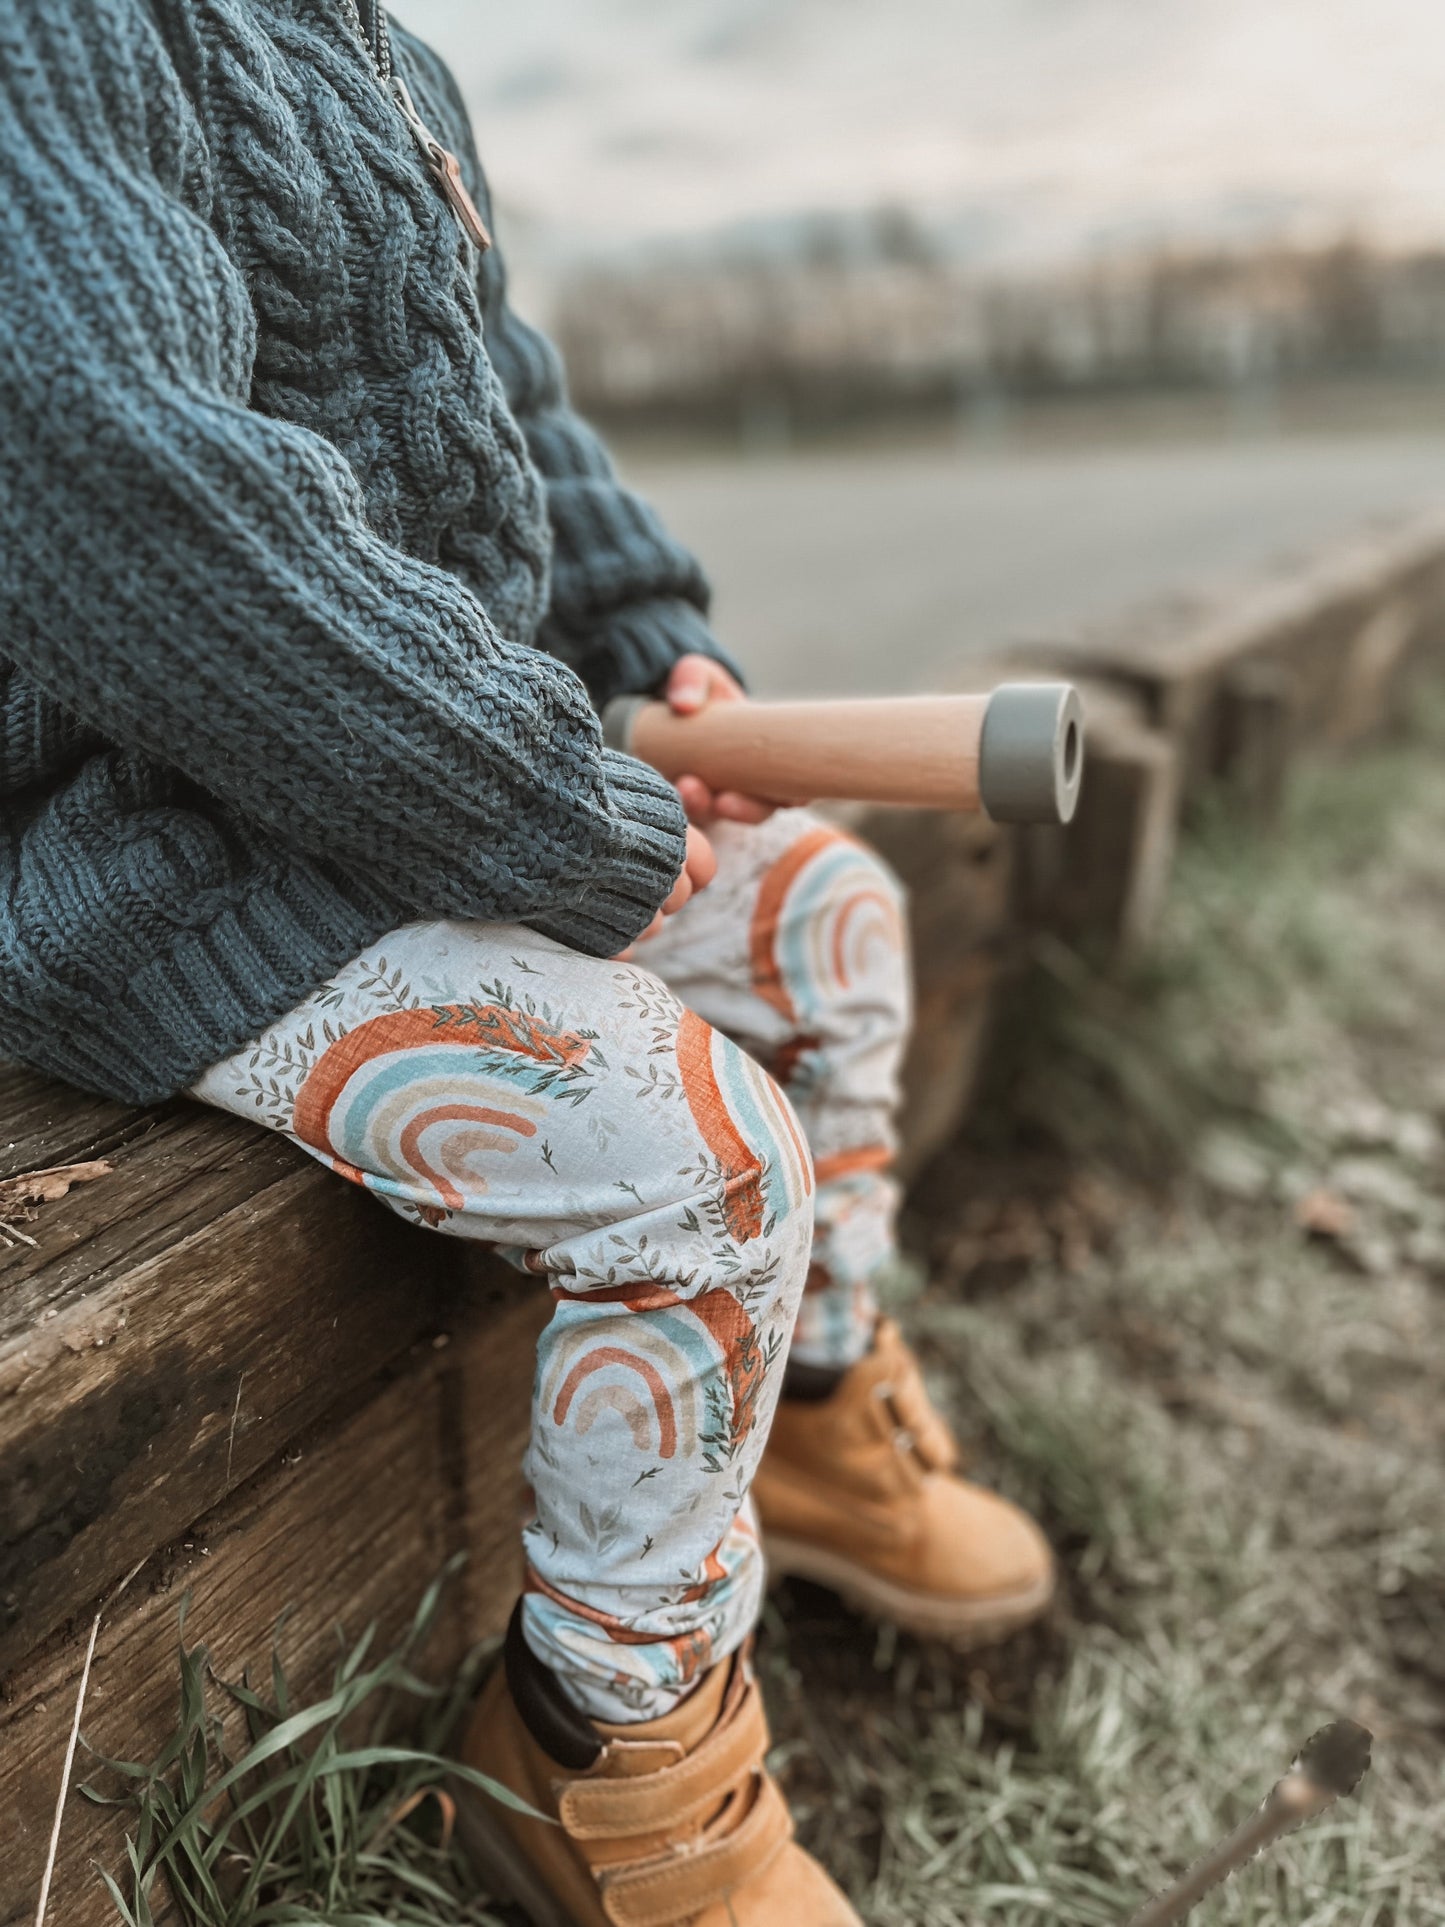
(1294, 972)
(1234, 1434)
(324, 1820)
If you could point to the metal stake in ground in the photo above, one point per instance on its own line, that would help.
(1330, 1765)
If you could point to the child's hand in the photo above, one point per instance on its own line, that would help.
(695, 682)
(699, 867)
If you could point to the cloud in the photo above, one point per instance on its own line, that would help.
(1075, 117)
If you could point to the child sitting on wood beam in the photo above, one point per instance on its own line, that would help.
(311, 586)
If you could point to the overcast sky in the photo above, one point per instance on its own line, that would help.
(1033, 127)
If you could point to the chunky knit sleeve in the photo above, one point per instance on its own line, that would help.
(627, 598)
(200, 581)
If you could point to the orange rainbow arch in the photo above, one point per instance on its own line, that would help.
(767, 972)
(713, 1572)
(720, 1314)
(471, 1026)
(599, 1360)
(742, 1168)
(457, 1114)
(890, 928)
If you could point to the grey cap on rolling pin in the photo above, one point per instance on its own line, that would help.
(1031, 752)
(618, 718)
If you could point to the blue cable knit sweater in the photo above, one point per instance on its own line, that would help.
(309, 578)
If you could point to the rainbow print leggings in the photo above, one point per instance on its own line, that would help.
(691, 1148)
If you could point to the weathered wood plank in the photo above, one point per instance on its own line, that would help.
(46, 1123)
(958, 874)
(1104, 877)
(1342, 626)
(1119, 852)
(169, 1180)
(156, 1391)
(350, 1528)
(1257, 719)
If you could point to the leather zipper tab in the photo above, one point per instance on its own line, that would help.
(444, 168)
(448, 172)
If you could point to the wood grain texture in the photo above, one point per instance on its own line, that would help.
(349, 1527)
(916, 751)
(1341, 627)
(958, 872)
(175, 1325)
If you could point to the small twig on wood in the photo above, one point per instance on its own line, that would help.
(69, 1766)
(22, 1196)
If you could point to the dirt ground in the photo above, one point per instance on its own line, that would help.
(1185, 1296)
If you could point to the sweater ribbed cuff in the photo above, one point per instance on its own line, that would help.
(633, 651)
(631, 881)
(211, 991)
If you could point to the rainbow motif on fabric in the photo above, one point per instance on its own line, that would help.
(650, 1372)
(600, 1639)
(418, 1105)
(821, 919)
(747, 1125)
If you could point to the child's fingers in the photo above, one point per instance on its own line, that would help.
(696, 681)
(701, 860)
(736, 808)
(689, 686)
(697, 800)
(704, 806)
(681, 891)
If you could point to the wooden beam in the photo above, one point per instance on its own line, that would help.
(348, 1527)
(1340, 627)
(176, 1325)
(958, 872)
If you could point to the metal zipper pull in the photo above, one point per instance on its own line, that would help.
(443, 166)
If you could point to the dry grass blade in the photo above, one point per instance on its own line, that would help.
(446, 1805)
(43, 1902)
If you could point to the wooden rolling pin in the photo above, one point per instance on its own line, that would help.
(1017, 754)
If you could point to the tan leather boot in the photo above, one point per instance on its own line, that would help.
(673, 1823)
(859, 1491)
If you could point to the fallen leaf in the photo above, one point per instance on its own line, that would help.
(21, 1197)
(1325, 1214)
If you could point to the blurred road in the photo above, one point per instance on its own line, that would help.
(849, 572)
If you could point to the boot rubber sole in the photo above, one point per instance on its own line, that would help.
(506, 1871)
(960, 1622)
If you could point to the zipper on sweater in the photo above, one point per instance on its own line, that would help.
(440, 162)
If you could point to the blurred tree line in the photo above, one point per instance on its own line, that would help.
(858, 318)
